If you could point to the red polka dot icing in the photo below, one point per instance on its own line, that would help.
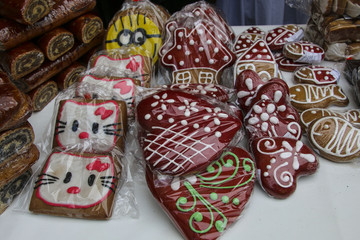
(287, 64)
(242, 43)
(303, 51)
(280, 161)
(319, 75)
(184, 133)
(277, 37)
(254, 33)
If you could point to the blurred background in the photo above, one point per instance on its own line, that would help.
(236, 12)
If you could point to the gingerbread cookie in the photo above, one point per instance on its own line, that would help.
(91, 87)
(206, 66)
(278, 37)
(254, 33)
(280, 162)
(264, 120)
(312, 114)
(203, 206)
(286, 64)
(318, 75)
(183, 132)
(139, 26)
(77, 185)
(305, 52)
(210, 90)
(95, 125)
(259, 59)
(118, 64)
(335, 138)
(305, 96)
(242, 43)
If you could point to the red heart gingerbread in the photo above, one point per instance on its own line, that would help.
(203, 206)
(184, 132)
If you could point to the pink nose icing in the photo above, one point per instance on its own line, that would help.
(83, 135)
(73, 190)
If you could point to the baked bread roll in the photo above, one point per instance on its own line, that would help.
(77, 185)
(18, 165)
(13, 33)
(22, 60)
(25, 11)
(56, 43)
(69, 76)
(13, 189)
(86, 27)
(15, 142)
(15, 107)
(50, 68)
(43, 94)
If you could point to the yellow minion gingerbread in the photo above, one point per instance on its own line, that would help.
(137, 28)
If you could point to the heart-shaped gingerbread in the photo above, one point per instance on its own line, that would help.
(264, 120)
(183, 132)
(280, 161)
(247, 84)
(203, 206)
(211, 90)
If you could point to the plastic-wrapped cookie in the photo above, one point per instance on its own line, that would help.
(278, 37)
(305, 52)
(335, 138)
(183, 133)
(254, 33)
(242, 43)
(280, 162)
(95, 125)
(318, 75)
(313, 114)
(77, 185)
(305, 96)
(217, 92)
(259, 59)
(197, 56)
(205, 205)
(286, 64)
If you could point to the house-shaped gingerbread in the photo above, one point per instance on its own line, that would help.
(259, 59)
(197, 56)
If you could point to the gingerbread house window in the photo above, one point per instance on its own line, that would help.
(243, 67)
(183, 77)
(206, 77)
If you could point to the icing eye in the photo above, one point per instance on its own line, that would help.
(91, 179)
(139, 37)
(75, 125)
(95, 128)
(124, 37)
(67, 177)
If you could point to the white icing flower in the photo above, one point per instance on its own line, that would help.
(217, 114)
(162, 101)
(296, 154)
(188, 107)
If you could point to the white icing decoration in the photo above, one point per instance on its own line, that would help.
(196, 126)
(207, 129)
(171, 120)
(147, 116)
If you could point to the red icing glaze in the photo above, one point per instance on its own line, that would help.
(73, 190)
(203, 206)
(297, 50)
(254, 33)
(259, 51)
(83, 135)
(280, 161)
(246, 84)
(103, 112)
(184, 132)
(242, 43)
(133, 65)
(124, 88)
(287, 64)
(265, 119)
(209, 90)
(197, 48)
(319, 75)
(97, 165)
(277, 37)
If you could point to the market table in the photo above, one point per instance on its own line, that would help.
(325, 205)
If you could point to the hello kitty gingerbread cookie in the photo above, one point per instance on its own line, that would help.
(278, 37)
(280, 162)
(318, 75)
(205, 205)
(305, 96)
(206, 66)
(77, 185)
(259, 59)
(91, 125)
(335, 138)
(183, 133)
